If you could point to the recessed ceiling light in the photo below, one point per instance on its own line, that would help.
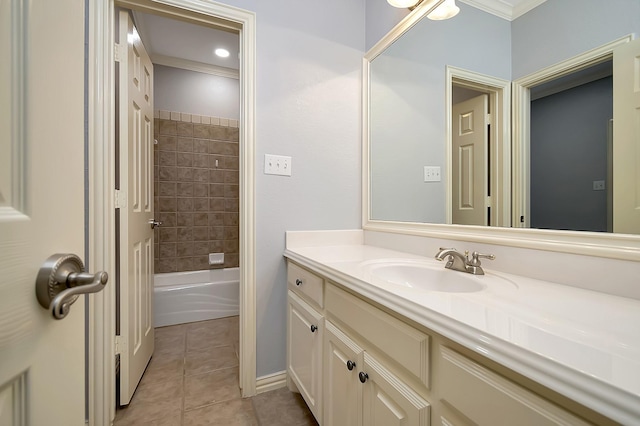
(223, 53)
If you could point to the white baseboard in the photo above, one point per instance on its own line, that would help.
(271, 382)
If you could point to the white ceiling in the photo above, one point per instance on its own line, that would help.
(169, 38)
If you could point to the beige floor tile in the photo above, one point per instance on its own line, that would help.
(203, 380)
(141, 412)
(282, 407)
(167, 421)
(170, 344)
(209, 388)
(172, 330)
(164, 367)
(159, 391)
(210, 360)
(210, 334)
(237, 412)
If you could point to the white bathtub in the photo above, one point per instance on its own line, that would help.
(182, 297)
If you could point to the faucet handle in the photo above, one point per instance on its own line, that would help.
(475, 258)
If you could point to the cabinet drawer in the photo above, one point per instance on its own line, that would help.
(491, 399)
(305, 283)
(400, 342)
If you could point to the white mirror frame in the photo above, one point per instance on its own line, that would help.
(616, 246)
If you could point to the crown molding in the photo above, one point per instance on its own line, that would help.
(503, 9)
(186, 64)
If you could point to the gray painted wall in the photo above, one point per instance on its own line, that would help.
(560, 29)
(195, 93)
(308, 106)
(380, 18)
(569, 152)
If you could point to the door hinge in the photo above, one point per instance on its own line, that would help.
(488, 202)
(120, 199)
(120, 345)
(116, 52)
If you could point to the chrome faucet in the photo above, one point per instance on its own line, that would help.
(461, 262)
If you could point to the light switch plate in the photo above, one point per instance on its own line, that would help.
(432, 174)
(277, 165)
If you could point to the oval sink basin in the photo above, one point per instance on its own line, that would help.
(426, 277)
(431, 276)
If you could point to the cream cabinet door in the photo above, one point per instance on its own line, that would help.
(342, 389)
(487, 398)
(387, 400)
(304, 351)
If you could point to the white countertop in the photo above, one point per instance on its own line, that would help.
(580, 343)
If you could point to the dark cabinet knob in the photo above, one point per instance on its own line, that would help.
(363, 377)
(351, 365)
(298, 281)
(313, 328)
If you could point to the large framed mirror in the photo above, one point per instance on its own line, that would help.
(417, 74)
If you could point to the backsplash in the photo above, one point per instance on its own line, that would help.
(196, 191)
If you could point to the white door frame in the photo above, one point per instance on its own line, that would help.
(100, 92)
(499, 92)
(522, 120)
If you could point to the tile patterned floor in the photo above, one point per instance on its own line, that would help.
(192, 380)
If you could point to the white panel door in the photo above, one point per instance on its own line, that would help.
(136, 234)
(469, 169)
(626, 138)
(342, 389)
(387, 401)
(42, 365)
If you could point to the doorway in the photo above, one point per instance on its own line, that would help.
(571, 149)
(593, 66)
(487, 188)
(101, 119)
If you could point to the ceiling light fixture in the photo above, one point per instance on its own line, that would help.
(223, 53)
(403, 3)
(446, 10)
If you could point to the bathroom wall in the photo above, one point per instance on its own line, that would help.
(195, 92)
(196, 191)
(308, 103)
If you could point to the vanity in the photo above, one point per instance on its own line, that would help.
(380, 332)
(378, 336)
